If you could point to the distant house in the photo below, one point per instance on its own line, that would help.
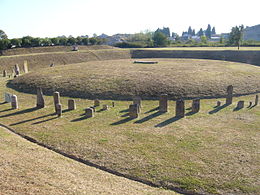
(252, 33)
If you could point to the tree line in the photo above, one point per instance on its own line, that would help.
(29, 41)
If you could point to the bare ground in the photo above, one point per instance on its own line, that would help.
(26, 168)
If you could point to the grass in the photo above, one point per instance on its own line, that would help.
(213, 151)
(123, 79)
(30, 169)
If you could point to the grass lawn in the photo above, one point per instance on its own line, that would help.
(213, 151)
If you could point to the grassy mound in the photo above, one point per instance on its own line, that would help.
(122, 79)
(43, 60)
(31, 50)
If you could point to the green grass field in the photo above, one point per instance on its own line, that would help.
(213, 151)
(206, 48)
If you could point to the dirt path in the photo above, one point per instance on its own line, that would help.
(26, 168)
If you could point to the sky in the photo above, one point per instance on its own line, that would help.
(51, 18)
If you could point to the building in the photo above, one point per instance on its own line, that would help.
(252, 33)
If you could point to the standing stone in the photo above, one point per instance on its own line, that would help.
(113, 104)
(96, 103)
(71, 104)
(195, 105)
(89, 112)
(25, 66)
(14, 102)
(59, 109)
(4, 73)
(40, 100)
(105, 107)
(256, 100)
(94, 108)
(180, 108)
(218, 103)
(8, 97)
(240, 104)
(134, 111)
(56, 98)
(250, 104)
(16, 70)
(229, 97)
(137, 100)
(163, 103)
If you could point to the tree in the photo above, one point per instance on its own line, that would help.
(72, 41)
(236, 35)
(3, 35)
(193, 32)
(85, 41)
(208, 31)
(55, 41)
(190, 31)
(93, 40)
(203, 39)
(4, 44)
(213, 32)
(200, 33)
(36, 42)
(27, 41)
(16, 42)
(221, 40)
(165, 31)
(160, 39)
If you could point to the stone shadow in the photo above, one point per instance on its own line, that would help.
(168, 121)
(158, 113)
(218, 108)
(152, 110)
(20, 112)
(122, 121)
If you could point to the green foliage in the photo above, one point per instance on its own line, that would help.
(160, 40)
(93, 40)
(36, 42)
(236, 35)
(203, 39)
(72, 41)
(55, 41)
(85, 41)
(5, 44)
(16, 42)
(200, 33)
(208, 31)
(3, 35)
(131, 44)
(27, 41)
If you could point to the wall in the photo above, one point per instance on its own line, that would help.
(249, 57)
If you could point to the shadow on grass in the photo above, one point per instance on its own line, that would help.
(190, 113)
(125, 115)
(152, 110)
(126, 110)
(253, 106)
(29, 120)
(83, 117)
(122, 121)
(218, 108)
(3, 103)
(6, 110)
(43, 121)
(168, 121)
(20, 112)
(158, 113)
(188, 108)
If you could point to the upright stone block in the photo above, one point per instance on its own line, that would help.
(14, 102)
(59, 109)
(94, 108)
(71, 104)
(163, 103)
(180, 108)
(240, 105)
(137, 100)
(250, 104)
(113, 104)
(134, 111)
(89, 112)
(96, 103)
(195, 105)
(229, 98)
(40, 100)
(218, 103)
(256, 100)
(25, 66)
(56, 99)
(17, 70)
(4, 73)
(8, 97)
